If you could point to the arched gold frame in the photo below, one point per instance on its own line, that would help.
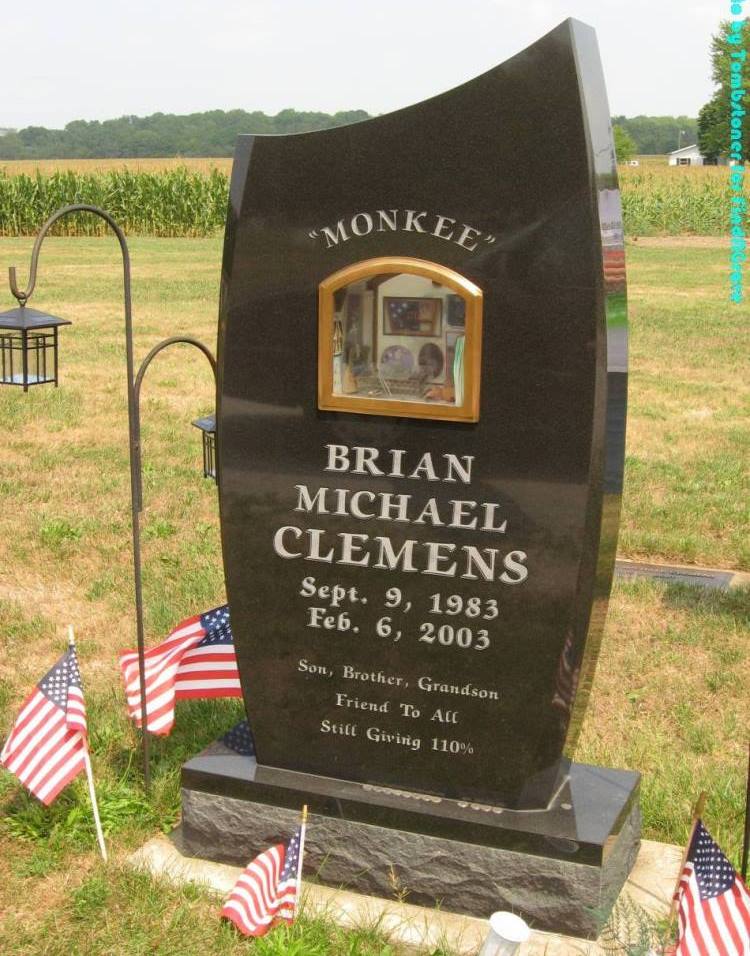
(468, 411)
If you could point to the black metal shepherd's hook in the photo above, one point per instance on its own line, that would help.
(159, 347)
(133, 389)
(138, 506)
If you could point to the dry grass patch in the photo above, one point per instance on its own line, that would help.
(672, 699)
(682, 242)
(136, 164)
(685, 480)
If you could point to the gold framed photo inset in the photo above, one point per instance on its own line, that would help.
(385, 349)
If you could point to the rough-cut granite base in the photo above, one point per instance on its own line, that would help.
(553, 890)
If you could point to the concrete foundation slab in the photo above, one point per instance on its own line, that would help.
(415, 928)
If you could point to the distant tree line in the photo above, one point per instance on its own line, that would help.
(658, 135)
(214, 134)
(162, 134)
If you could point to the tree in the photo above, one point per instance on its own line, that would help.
(657, 135)
(731, 73)
(12, 146)
(213, 133)
(711, 119)
(624, 144)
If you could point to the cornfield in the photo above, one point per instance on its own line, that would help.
(670, 201)
(159, 198)
(172, 202)
(136, 164)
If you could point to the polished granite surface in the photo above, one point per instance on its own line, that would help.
(455, 659)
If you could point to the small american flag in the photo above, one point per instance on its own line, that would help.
(196, 660)
(714, 903)
(266, 893)
(46, 748)
(240, 739)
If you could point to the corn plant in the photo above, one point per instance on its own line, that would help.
(186, 202)
(169, 203)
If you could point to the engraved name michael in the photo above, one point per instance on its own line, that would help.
(402, 220)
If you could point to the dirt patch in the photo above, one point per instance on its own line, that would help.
(680, 242)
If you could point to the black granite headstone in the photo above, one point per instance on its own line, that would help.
(421, 426)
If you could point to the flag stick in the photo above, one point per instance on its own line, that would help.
(697, 814)
(94, 805)
(303, 830)
(746, 840)
(89, 774)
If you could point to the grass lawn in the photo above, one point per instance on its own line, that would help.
(671, 696)
(686, 479)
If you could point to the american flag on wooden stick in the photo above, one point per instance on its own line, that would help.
(196, 660)
(714, 903)
(266, 893)
(46, 748)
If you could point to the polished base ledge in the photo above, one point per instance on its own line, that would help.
(561, 868)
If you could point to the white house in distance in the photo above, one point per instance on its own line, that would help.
(691, 156)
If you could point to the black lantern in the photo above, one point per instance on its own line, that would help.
(28, 347)
(208, 426)
(28, 356)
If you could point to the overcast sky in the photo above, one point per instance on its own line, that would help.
(91, 59)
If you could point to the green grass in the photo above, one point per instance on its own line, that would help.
(672, 692)
(686, 478)
(113, 910)
(672, 699)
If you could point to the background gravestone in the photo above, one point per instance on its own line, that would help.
(421, 430)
